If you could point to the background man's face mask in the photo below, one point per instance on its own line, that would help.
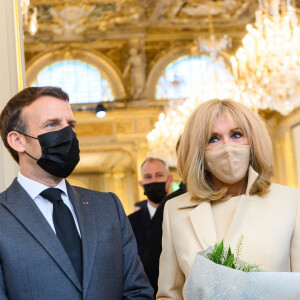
(60, 152)
(155, 191)
(228, 163)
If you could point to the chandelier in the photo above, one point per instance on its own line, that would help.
(267, 66)
(218, 83)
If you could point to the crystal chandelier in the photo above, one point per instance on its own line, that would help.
(218, 83)
(212, 46)
(267, 67)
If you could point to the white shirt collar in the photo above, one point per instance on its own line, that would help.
(151, 210)
(34, 188)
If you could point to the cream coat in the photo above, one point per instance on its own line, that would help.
(270, 226)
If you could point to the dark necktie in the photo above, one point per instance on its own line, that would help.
(65, 228)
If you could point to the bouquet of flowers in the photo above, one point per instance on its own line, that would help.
(219, 274)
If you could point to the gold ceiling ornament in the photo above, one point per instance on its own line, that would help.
(30, 22)
(70, 21)
(267, 66)
(24, 4)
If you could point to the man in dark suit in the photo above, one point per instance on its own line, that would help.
(59, 241)
(153, 246)
(156, 183)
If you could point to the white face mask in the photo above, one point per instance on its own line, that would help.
(228, 163)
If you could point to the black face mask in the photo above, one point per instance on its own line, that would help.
(60, 152)
(155, 191)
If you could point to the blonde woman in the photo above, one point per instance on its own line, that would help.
(225, 159)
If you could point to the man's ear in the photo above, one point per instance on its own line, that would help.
(141, 184)
(16, 141)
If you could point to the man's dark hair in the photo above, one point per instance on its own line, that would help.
(10, 118)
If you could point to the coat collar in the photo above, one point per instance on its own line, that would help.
(252, 176)
(202, 218)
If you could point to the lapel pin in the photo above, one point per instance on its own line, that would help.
(85, 202)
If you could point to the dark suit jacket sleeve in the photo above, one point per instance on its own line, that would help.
(136, 284)
(3, 295)
(153, 246)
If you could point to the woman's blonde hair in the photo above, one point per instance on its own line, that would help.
(195, 138)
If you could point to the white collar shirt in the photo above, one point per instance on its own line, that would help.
(34, 188)
(151, 210)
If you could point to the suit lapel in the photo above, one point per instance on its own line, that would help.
(19, 203)
(203, 223)
(87, 223)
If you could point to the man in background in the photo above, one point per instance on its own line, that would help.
(59, 241)
(156, 183)
(153, 244)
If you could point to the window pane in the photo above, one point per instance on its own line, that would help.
(193, 77)
(83, 82)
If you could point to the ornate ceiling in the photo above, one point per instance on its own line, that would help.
(91, 20)
(111, 26)
(108, 25)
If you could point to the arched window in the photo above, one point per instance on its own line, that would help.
(82, 81)
(192, 76)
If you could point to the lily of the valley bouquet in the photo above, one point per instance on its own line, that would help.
(218, 273)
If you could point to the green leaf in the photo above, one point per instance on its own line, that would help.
(219, 252)
(229, 252)
(229, 261)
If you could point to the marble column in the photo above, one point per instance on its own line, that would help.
(11, 73)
